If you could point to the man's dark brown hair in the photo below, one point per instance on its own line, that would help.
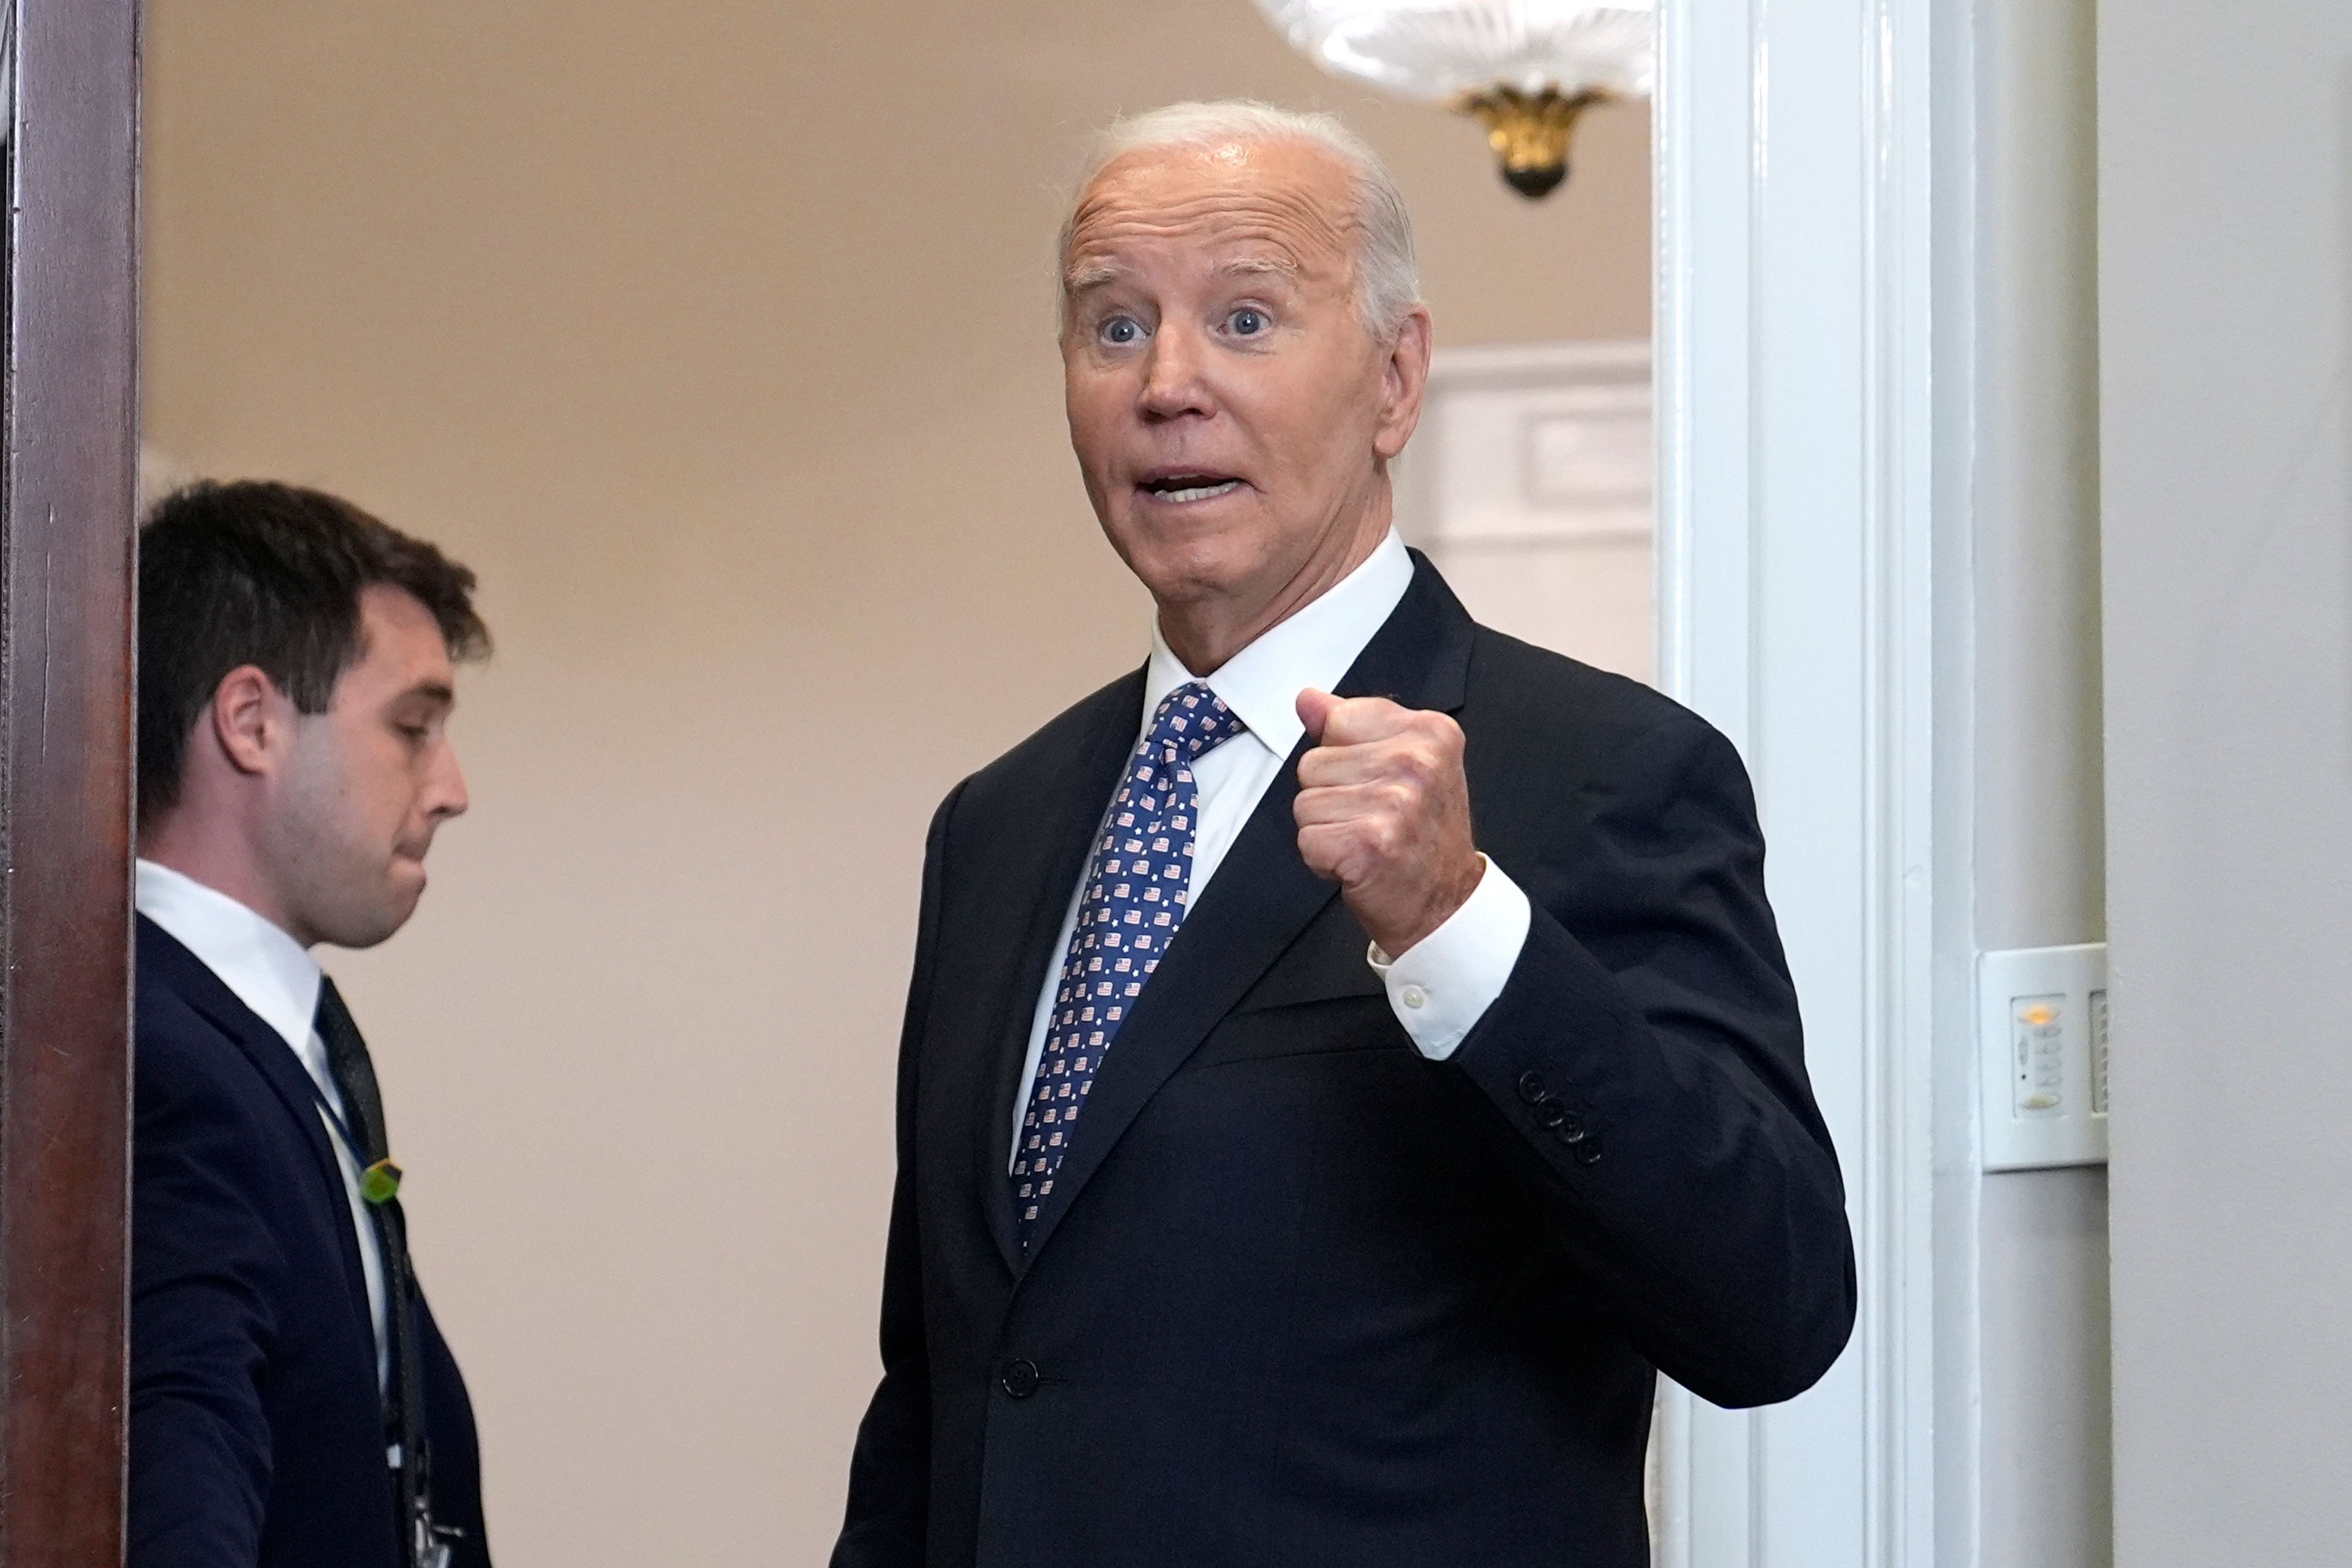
(270, 575)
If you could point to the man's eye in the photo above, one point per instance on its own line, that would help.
(1247, 323)
(1123, 329)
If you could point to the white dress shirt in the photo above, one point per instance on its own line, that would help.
(268, 971)
(1442, 985)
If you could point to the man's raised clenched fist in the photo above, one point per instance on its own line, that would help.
(1384, 811)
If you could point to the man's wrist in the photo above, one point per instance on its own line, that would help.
(1441, 907)
(1441, 987)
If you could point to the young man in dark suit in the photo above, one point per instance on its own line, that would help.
(1347, 1057)
(292, 1403)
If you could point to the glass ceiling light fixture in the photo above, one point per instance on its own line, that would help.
(1525, 69)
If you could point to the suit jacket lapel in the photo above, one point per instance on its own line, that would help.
(267, 1050)
(1069, 811)
(1260, 900)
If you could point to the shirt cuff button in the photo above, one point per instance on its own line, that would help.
(1414, 997)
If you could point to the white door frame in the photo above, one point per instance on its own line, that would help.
(1798, 610)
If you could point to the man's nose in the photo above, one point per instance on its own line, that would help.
(445, 794)
(1173, 381)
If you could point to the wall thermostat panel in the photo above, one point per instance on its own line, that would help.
(2042, 1028)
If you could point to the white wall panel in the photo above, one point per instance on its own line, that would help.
(1796, 437)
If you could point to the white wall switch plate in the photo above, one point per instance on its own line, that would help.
(2041, 1029)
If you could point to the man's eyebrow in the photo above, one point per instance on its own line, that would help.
(438, 691)
(1258, 267)
(1085, 276)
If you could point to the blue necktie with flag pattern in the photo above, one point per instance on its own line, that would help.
(1136, 891)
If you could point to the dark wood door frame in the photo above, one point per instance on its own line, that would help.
(69, 460)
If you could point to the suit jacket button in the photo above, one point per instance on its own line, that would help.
(1550, 1113)
(1020, 1378)
(1587, 1151)
(1531, 1085)
(1572, 1128)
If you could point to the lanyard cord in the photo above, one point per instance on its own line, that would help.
(335, 1122)
(379, 1179)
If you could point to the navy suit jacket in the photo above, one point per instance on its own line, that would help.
(256, 1432)
(1301, 1295)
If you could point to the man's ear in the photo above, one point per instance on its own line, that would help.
(250, 719)
(1404, 379)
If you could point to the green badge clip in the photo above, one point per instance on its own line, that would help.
(380, 1183)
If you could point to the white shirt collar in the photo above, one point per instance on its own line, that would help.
(266, 968)
(1315, 647)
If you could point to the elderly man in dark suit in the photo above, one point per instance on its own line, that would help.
(292, 1403)
(1347, 1057)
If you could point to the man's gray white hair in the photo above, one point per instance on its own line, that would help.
(1388, 278)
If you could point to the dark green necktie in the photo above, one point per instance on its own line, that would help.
(347, 1054)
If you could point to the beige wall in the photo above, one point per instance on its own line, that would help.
(717, 337)
(2043, 1432)
(2225, 364)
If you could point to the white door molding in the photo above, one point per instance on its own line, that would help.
(1797, 611)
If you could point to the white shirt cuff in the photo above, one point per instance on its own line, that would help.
(1444, 983)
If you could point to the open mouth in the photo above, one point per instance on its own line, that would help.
(1179, 489)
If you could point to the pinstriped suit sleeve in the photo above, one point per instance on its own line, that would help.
(1646, 1063)
(889, 1471)
(204, 1272)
